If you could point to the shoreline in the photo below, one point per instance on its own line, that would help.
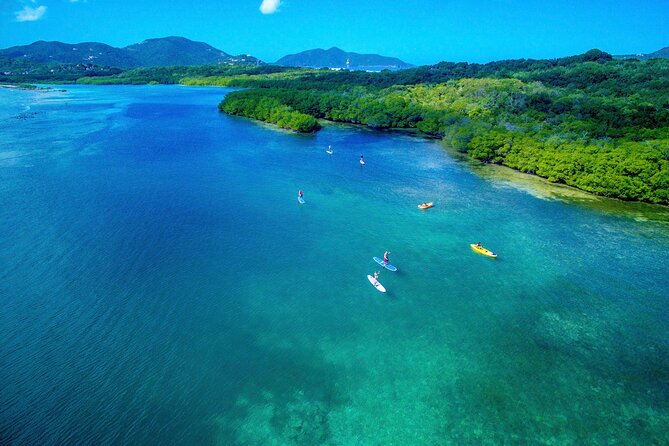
(543, 189)
(573, 193)
(570, 192)
(16, 87)
(28, 87)
(532, 184)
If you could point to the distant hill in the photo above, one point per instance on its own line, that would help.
(149, 53)
(659, 54)
(85, 52)
(174, 51)
(336, 58)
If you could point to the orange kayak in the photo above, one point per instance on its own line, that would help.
(425, 205)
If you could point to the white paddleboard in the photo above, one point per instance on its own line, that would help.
(376, 283)
(362, 163)
(300, 200)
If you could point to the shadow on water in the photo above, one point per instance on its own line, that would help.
(550, 372)
(287, 403)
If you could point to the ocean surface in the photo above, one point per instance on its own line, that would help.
(160, 284)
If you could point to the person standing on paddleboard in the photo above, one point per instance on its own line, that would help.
(376, 276)
(385, 257)
(299, 194)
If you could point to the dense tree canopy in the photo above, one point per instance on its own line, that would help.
(270, 110)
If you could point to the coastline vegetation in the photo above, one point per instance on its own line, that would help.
(188, 75)
(591, 122)
(272, 110)
(588, 121)
(24, 71)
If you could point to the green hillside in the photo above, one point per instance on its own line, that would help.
(166, 51)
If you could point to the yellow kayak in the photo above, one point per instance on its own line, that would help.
(482, 250)
(425, 205)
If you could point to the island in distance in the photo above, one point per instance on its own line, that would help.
(338, 58)
(662, 53)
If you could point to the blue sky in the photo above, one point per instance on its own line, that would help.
(417, 31)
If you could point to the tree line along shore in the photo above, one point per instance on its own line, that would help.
(588, 121)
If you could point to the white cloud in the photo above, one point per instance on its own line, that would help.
(28, 14)
(270, 6)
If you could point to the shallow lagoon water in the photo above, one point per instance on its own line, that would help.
(161, 285)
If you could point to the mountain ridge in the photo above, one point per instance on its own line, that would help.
(161, 51)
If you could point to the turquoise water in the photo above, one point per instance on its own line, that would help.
(160, 285)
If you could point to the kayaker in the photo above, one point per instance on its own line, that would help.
(385, 257)
(478, 245)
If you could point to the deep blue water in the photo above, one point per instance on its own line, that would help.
(161, 285)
